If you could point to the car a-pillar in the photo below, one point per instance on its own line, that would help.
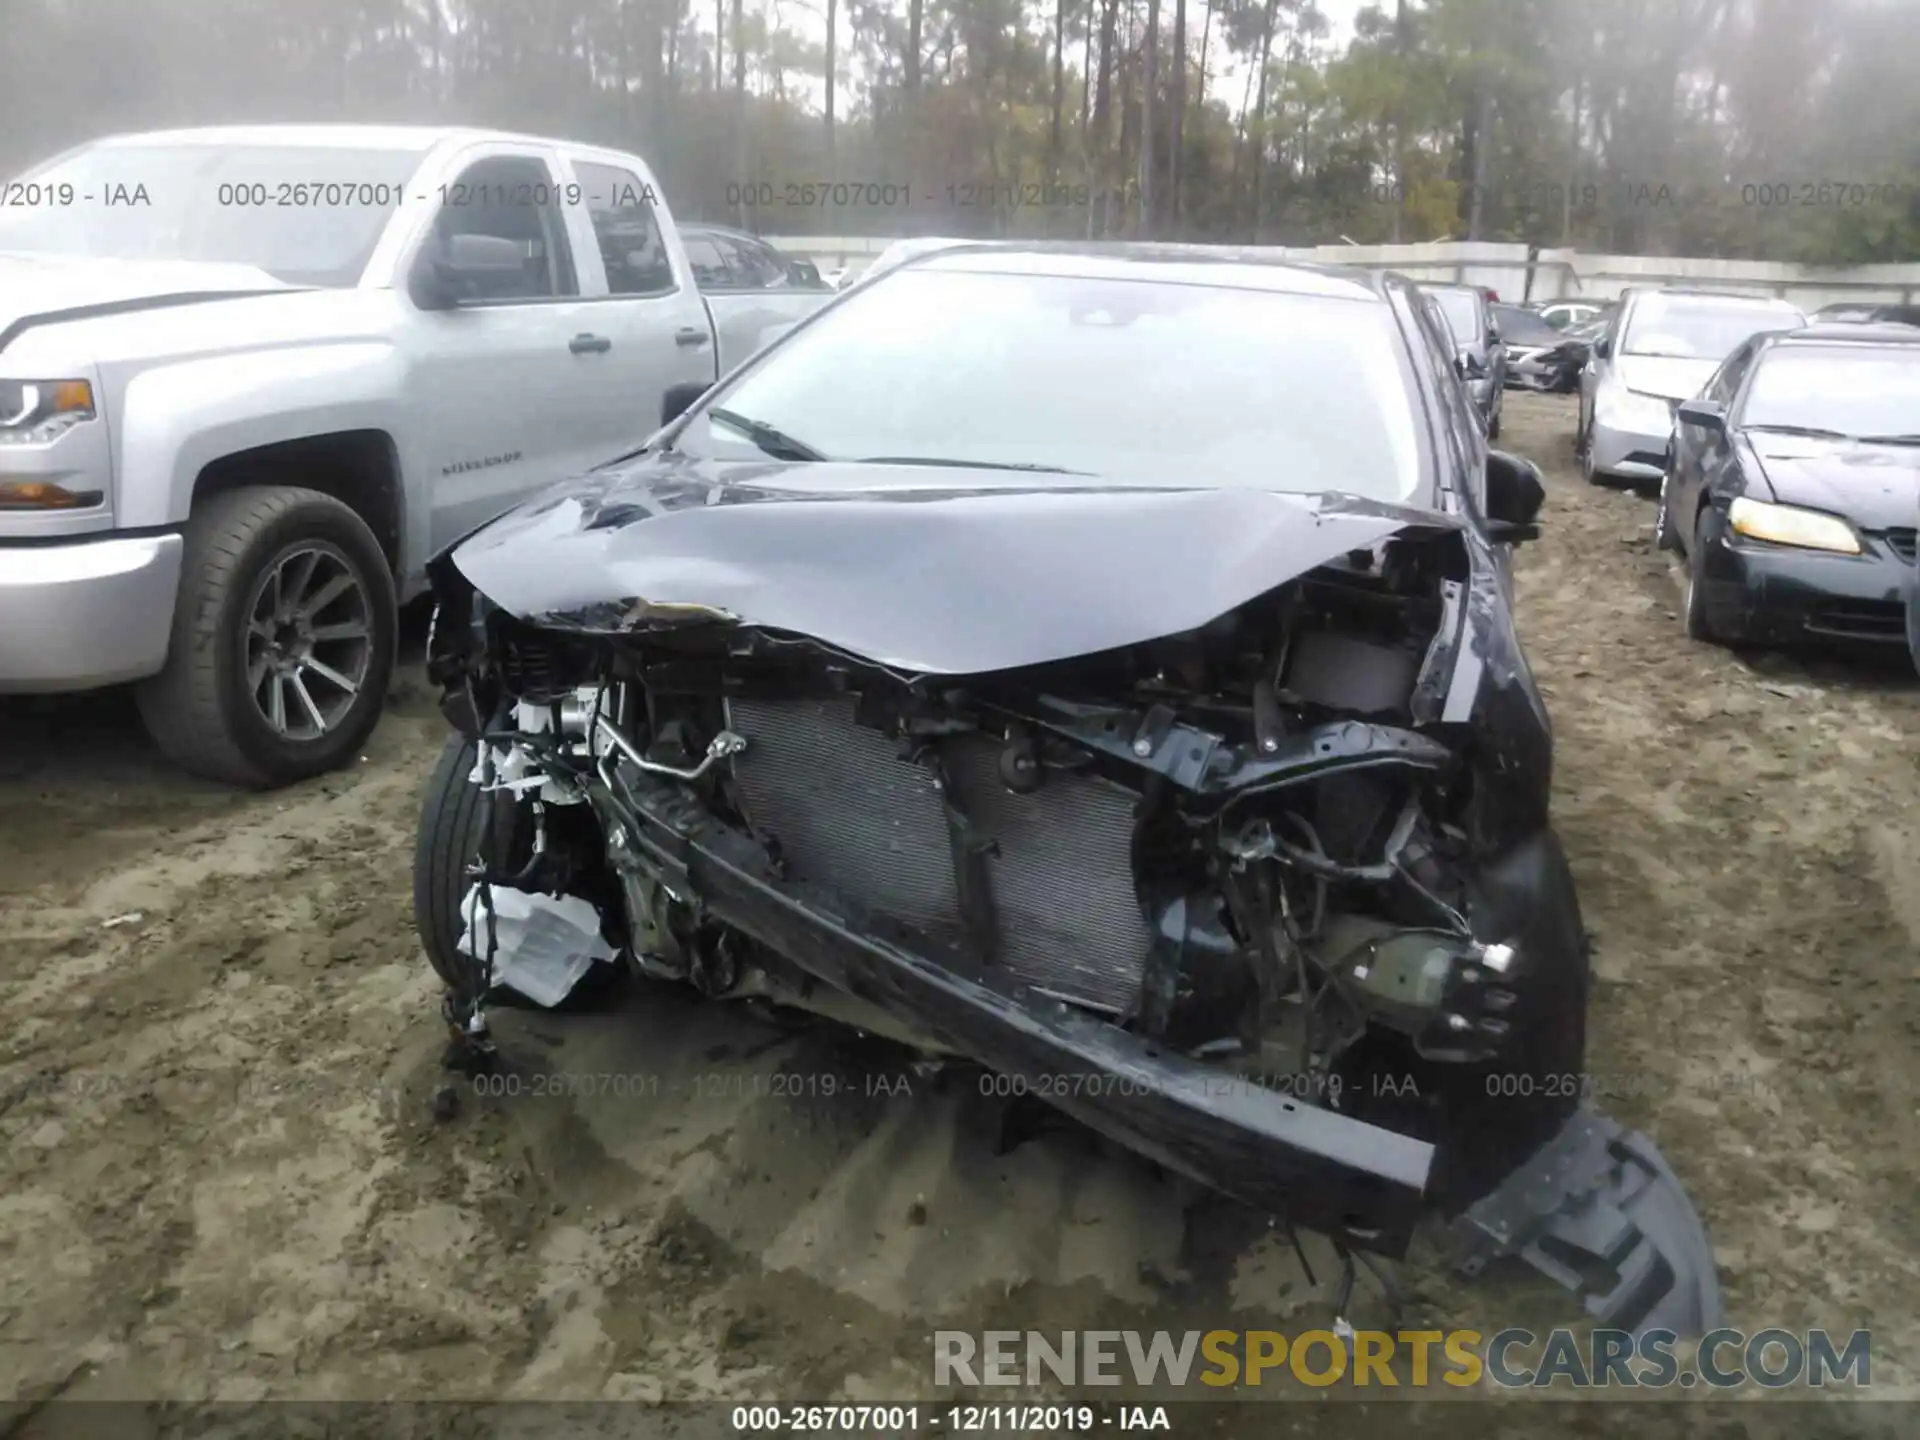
(285, 625)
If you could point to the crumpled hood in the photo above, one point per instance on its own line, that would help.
(1877, 487)
(38, 289)
(938, 571)
(1670, 379)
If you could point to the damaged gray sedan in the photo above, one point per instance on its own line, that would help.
(1092, 663)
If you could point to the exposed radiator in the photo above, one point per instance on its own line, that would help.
(845, 811)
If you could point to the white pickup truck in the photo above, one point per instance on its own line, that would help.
(253, 378)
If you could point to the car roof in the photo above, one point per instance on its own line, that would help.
(707, 227)
(345, 137)
(1223, 266)
(1732, 297)
(1877, 333)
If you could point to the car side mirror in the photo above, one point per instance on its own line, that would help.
(1460, 366)
(461, 266)
(1515, 494)
(1703, 414)
(1603, 347)
(681, 398)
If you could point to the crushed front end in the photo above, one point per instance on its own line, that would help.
(1272, 901)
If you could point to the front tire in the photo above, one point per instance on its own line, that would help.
(455, 816)
(282, 643)
(1666, 535)
(1699, 626)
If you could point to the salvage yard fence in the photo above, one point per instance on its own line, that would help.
(1521, 272)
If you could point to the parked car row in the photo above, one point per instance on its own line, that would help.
(1787, 452)
(237, 423)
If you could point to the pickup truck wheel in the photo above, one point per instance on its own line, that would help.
(282, 643)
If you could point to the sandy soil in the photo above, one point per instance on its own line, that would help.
(224, 1175)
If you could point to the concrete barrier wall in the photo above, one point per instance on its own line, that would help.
(1509, 269)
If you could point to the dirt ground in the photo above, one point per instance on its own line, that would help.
(224, 1176)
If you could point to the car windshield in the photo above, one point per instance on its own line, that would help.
(1852, 390)
(1133, 381)
(1462, 309)
(1523, 327)
(1699, 329)
(305, 214)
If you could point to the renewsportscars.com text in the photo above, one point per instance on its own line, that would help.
(1511, 1359)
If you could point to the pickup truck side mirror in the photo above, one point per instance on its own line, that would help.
(1704, 414)
(1603, 347)
(1515, 494)
(464, 267)
(1460, 366)
(681, 398)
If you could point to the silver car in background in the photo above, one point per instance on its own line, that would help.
(1662, 347)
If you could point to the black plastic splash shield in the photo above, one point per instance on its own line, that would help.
(1601, 1194)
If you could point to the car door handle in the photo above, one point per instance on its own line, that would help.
(589, 344)
(691, 335)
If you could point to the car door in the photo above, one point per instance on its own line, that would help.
(1594, 370)
(647, 312)
(502, 399)
(754, 304)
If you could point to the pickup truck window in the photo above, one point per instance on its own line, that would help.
(752, 266)
(506, 197)
(631, 249)
(305, 214)
(709, 265)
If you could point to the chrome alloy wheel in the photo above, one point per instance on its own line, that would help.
(309, 640)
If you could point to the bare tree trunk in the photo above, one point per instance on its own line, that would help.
(719, 43)
(1100, 146)
(833, 58)
(1482, 127)
(1150, 77)
(1176, 129)
(742, 151)
(1086, 74)
(1573, 160)
(1059, 84)
(1258, 128)
(916, 14)
(1400, 122)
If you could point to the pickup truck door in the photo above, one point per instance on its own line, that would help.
(646, 308)
(504, 396)
(754, 298)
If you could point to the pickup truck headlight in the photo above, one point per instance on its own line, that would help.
(1790, 525)
(32, 412)
(1624, 409)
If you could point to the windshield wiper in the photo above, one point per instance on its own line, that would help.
(1812, 432)
(1890, 439)
(776, 443)
(970, 464)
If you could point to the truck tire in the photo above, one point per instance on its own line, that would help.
(454, 816)
(283, 639)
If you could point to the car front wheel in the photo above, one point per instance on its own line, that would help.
(1666, 536)
(282, 643)
(1699, 627)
